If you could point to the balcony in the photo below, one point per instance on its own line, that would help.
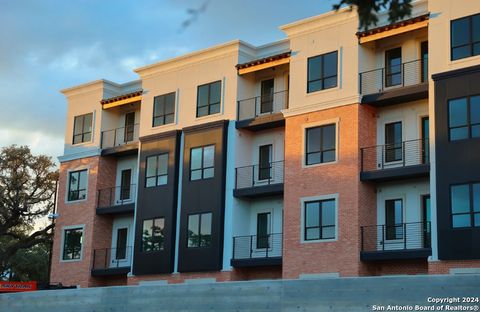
(396, 242)
(409, 159)
(120, 141)
(262, 112)
(257, 181)
(395, 84)
(111, 261)
(253, 250)
(116, 200)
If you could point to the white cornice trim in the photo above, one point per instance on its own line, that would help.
(79, 155)
(321, 106)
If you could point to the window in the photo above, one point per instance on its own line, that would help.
(163, 109)
(393, 67)
(82, 128)
(72, 244)
(465, 37)
(199, 230)
(393, 219)
(322, 72)
(208, 99)
(265, 162)
(393, 142)
(319, 220)
(157, 170)
(153, 237)
(202, 162)
(77, 185)
(465, 205)
(320, 145)
(263, 230)
(464, 118)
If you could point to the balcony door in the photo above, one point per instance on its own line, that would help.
(426, 220)
(424, 53)
(266, 96)
(125, 183)
(393, 219)
(263, 230)
(265, 162)
(425, 137)
(393, 67)
(121, 247)
(393, 142)
(129, 127)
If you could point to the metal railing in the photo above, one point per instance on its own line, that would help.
(253, 246)
(404, 154)
(109, 258)
(259, 175)
(116, 196)
(405, 74)
(120, 136)
(262, 105)
(402, 236)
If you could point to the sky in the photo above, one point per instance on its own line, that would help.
(49, 45)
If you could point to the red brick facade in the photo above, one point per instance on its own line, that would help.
(97, 231)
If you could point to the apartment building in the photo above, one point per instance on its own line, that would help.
(333, 152)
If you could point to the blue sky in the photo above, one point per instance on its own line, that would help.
(49, 45)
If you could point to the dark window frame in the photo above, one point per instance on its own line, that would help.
(394, 147)
(263, 242)
(157, 168)
(471, 212)
(199, 230)
(468, 125)
(321, 151)
(470, 43)
(161, 231)
(209, 105)
(320, 225)
(70, 197)
(202, 169)
(392, 232)
(76, 254)
(322, 74)
(390, 72)
(83, 133)
(163, 115)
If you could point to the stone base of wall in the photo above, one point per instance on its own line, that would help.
(244, 274)
(443, 267)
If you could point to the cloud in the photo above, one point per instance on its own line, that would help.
(38, 141)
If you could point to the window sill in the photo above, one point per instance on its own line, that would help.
(76, 201)
(464, 60)
(172, 124)
(337, 88)
(329, 240)
(305, 166)
(208, 116)
(69, 261)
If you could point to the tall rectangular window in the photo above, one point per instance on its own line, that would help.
(202, 162)
(393, 219)
(77, 185)
(393, 67)
(319, 220)
(320, 144)
(163, 109)
(322, 72)
(263, 230)
(72, 244)
(157, 170)
(153, 237)
(464, 118)
(199, 230)
(208, 98)
(465, 205)
(465, 37)
(82, 128)
(393, 142)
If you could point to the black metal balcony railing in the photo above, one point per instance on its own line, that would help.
(405, 74)
(120, 136)
(110, 258)
(402, 236)
(260, 105)
(116, 196)
(259, 175)
(254, 246)
(407, 153)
